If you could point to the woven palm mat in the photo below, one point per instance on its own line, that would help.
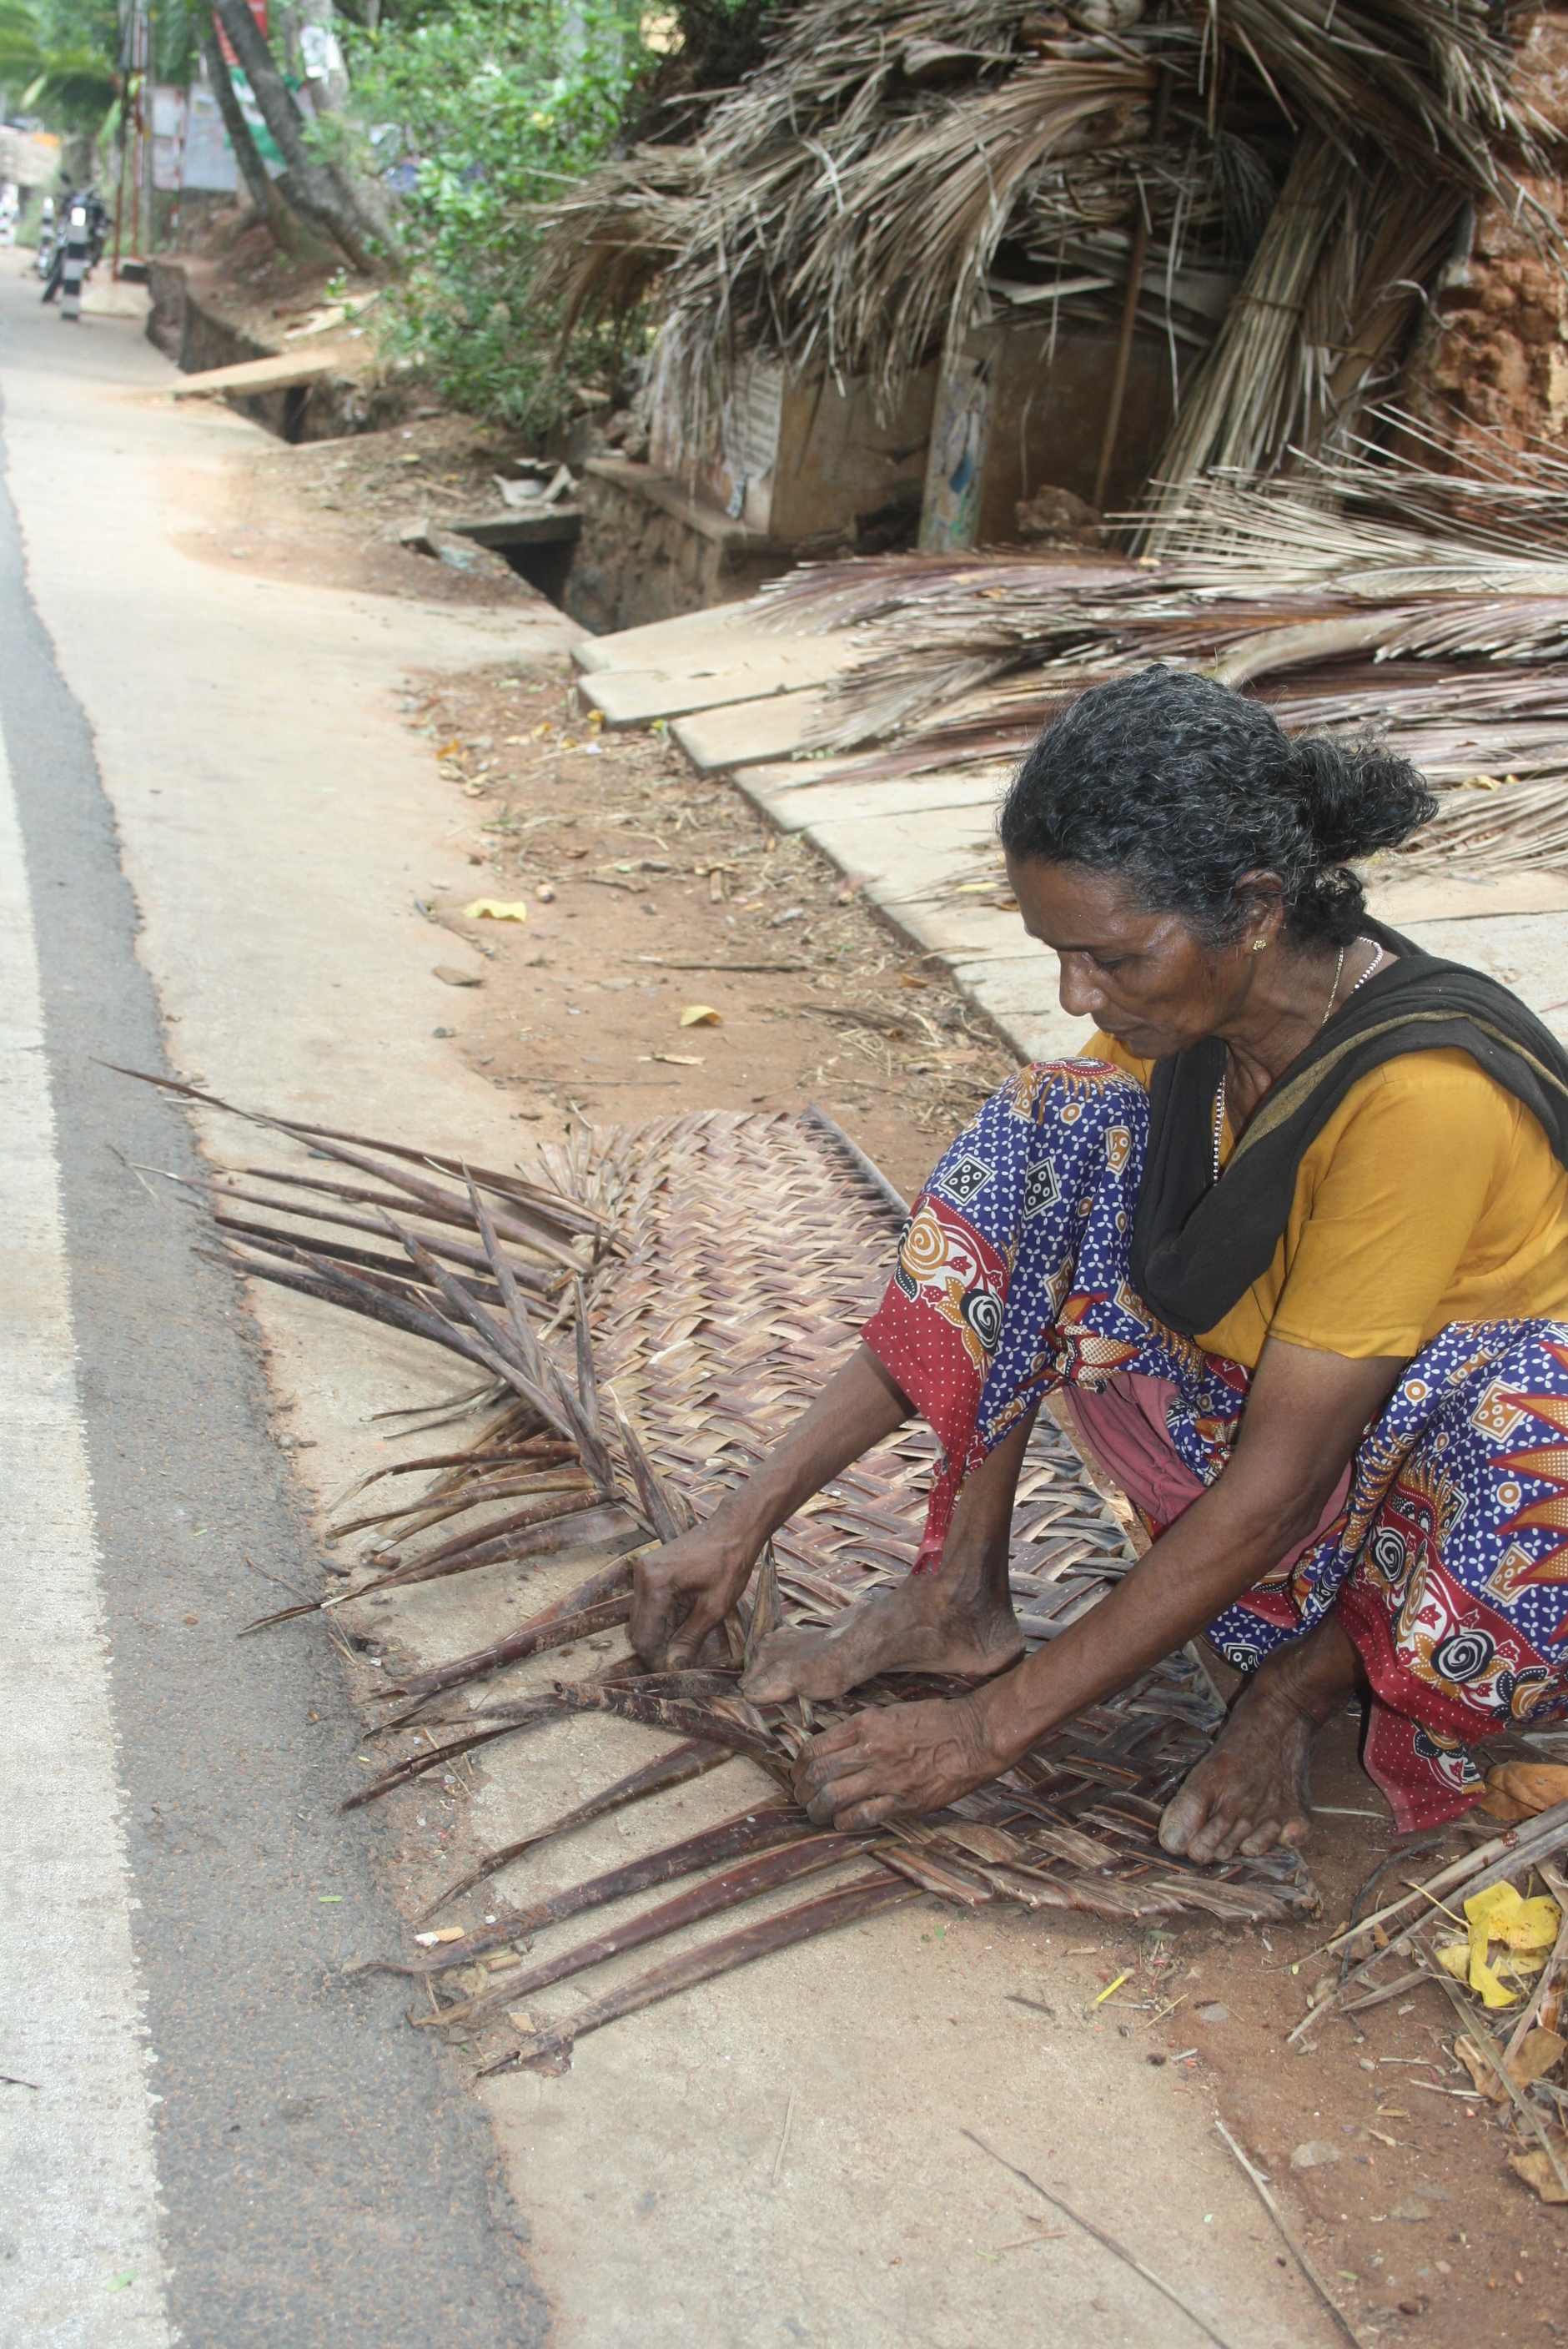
(711, 1273)
(758, 1245)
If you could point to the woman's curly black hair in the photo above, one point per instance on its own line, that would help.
(1182, 786)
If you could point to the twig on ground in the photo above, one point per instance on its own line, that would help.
(1298, 2248)
(1119, 2250)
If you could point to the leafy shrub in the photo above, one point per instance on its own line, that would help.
(484, 109)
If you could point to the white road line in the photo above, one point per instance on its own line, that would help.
(79, 2265)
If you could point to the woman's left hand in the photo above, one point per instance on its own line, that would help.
(895, 1762)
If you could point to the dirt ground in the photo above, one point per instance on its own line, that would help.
(651, 894)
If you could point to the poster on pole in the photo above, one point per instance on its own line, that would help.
(209, 160)
(168, 135)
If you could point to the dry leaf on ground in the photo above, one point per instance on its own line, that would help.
(1518, 1790)
(495, 909)
(1536, 2171)
(1541, 2053)
(701, 1015)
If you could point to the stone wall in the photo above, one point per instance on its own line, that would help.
(650, 550)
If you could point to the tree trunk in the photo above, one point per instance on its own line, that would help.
(287, 233)
(314, 188)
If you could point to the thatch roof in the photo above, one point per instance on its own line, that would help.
(893, 171)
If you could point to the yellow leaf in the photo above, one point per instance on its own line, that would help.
(1483, 1979)
(495, 909)
(1502, 1916)
(701, 1015)
(1454, 1958)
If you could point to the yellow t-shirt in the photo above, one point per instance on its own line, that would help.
(1430, 1195)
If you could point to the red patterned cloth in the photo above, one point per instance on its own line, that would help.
(1446, 1559)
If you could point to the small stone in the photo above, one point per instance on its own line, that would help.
(1313, 2154)
(1215, 2012)
(443, 1031)
(1410, 2208)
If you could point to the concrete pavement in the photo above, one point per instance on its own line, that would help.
(215, 2144)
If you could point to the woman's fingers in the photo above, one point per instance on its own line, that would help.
(680, 1593)
(654, 1611)
(898, 1761)
(705, 1614)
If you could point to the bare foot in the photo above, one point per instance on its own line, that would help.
(1253, 1791)
(928, 1623)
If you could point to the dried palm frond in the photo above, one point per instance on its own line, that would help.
(900, 251)
(607, 242)
(1427, 81)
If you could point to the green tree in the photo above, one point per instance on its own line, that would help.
(492, 105)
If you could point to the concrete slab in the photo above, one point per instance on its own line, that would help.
(1466, 896)
(751, 732)
(1019, 993)
(633, 697)
(797, 795)
(695, 637)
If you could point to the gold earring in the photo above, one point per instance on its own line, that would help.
(1258, 945)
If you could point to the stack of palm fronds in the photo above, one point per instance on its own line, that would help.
(610, 238)
(1369, 595)
(734, 1258)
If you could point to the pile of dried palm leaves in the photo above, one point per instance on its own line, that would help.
(892, 176)
(1371, 595)
(708, 1274)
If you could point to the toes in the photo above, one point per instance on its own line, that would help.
(1295, 1833)
(1180, 1821)
(1263, 1838)
(1217, 1839)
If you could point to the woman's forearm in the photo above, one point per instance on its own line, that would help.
(1304, 1417)
(858, 1407)
(1228, 1538)
(685, 1588)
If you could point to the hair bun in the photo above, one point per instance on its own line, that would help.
(1356, 797)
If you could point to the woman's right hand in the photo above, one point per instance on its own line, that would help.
(683, 1591)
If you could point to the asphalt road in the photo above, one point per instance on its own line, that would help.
(204, 2136)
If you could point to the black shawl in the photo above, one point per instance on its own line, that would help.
(1198, 1244)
